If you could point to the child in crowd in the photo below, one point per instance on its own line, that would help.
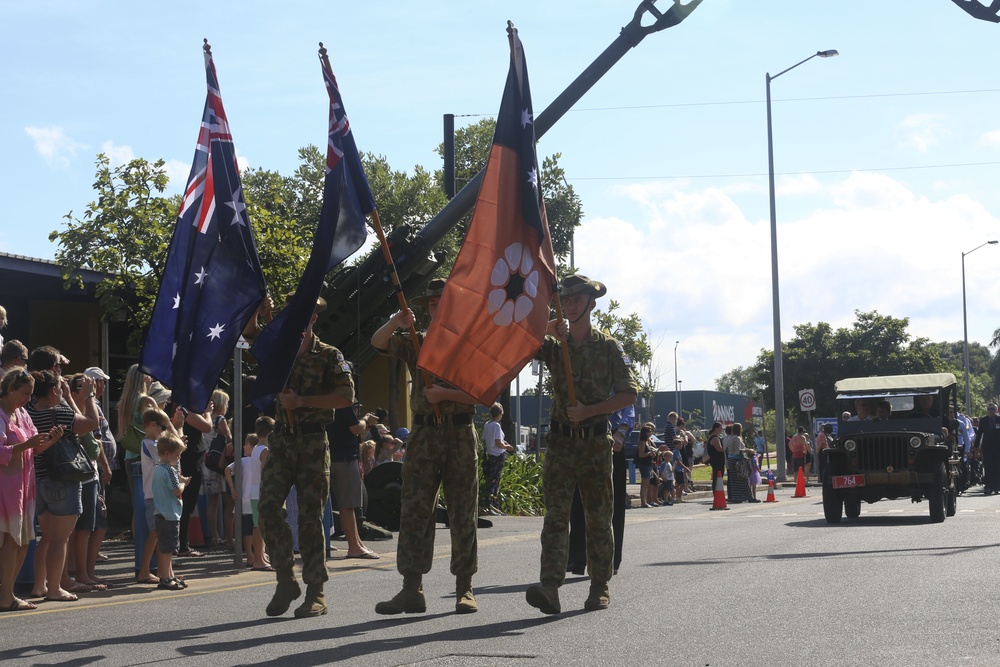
(681, 471)
(258, 457)
(241, 494)
(155, 424)
(168, 485)
(367, 457)
(754, 479)
(665, 493)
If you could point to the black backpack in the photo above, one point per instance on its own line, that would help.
(215, 459)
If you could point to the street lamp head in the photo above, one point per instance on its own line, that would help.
(993, 242)
(829, 53)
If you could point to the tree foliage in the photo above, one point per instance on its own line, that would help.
(818, 356)
(627, 330)
(124, 233)
(741, 380)
(562, 205)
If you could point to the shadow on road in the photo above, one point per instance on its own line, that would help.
(950, 550)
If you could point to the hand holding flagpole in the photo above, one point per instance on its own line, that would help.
(377, 224)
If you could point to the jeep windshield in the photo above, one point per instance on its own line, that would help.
(894, 403)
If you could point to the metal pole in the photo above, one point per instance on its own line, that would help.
(779, 378)
(965, 328)
(449, 155)
(237, 453)
(965, 339)
(677, 386)
(517, 422)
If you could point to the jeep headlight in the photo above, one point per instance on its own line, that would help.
(916, 441)
(850, 445)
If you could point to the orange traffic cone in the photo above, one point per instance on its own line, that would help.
(196, 537)
(800, 486)
(719, 499)
(770, 492)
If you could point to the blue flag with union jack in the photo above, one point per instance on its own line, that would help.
(347, 200)
(212, 281)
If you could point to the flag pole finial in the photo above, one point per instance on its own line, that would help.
(323, 58)
(207, 47)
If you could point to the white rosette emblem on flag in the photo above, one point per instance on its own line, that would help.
(515, 282)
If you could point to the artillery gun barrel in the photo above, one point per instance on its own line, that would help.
(359, 296)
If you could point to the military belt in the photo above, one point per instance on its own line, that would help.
(582, 432)
(300, 428)
(460, 419)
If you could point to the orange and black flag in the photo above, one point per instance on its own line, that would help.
(495, 306)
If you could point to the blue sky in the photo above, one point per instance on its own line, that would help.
(667, 151)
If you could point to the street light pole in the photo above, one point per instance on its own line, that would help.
(965, 326)
(680, 415)
(779, 380)
(677, 384)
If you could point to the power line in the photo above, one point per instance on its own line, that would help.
(784, 173)
(785, 99)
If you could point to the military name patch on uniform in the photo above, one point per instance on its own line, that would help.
(344, 366)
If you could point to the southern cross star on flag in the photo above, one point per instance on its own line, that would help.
(492, 316)
(212, 280)
(347, 200)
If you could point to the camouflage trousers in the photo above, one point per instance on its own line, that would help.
(304, 461)
(439, 456)
(572, 462)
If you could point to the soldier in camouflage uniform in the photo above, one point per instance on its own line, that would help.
(299, 454)
(579, 445)
(439, 450)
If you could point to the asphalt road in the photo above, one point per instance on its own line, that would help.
(765, 584)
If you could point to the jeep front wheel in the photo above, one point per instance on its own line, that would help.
(852, 507)
(833, 504)
(936, 493)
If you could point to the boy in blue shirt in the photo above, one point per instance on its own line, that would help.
(168, 485)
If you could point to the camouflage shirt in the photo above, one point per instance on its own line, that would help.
(401, 347)
(321, 369)
(598, 367)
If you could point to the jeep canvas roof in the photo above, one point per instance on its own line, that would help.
(924, 382)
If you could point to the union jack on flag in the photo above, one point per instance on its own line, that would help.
(347, 200)
(212, 280)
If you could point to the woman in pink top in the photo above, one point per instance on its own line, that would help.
(19, 442)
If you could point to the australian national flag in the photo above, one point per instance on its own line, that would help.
(492, 315)
(347, 199)
(212, 282)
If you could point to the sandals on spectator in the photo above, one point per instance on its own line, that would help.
(69, 597)
(170, 584)
(151, 579)
(19, 605)
(190, 553)
(102, 558)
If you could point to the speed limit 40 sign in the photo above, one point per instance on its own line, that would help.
(807, 400)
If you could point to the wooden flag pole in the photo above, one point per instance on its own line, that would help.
(377, 224)
(567, 367)
(387, 255)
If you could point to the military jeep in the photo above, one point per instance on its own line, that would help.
(894, 440)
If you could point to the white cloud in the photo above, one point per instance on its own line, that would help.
(698, 270)
(55, 147)
(177, 172)
(991, 139)
(922, 131)
(118, 155)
